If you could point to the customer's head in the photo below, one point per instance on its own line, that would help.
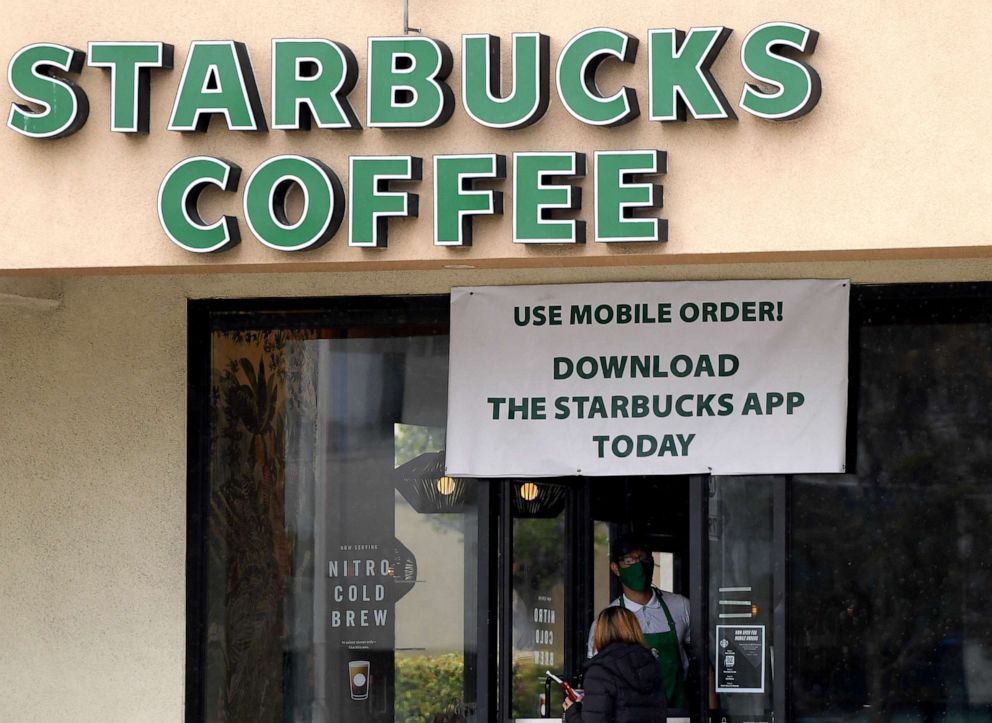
(617, 625)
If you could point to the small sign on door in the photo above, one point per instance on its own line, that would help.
(740, 659)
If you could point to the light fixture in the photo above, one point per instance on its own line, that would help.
(446, 485)
(528, 491)
(427, 487)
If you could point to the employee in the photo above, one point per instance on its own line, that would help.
(663, 616)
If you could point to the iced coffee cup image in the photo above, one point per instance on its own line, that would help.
(358, 675)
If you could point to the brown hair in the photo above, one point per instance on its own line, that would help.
(616, 624)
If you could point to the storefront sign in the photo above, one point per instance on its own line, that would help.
(740, 659)
(735, 377)
(406, 88)
(357, 619)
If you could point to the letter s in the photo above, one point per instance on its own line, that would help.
(65, 107)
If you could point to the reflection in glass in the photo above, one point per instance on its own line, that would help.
(601, 575)
(341, 561)
(538, 594)
(433, 514)
(891, 576)
(740, 584)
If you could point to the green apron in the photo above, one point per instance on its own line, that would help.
(668, 652)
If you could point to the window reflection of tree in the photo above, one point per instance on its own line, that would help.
(538, 534)
(251, 552)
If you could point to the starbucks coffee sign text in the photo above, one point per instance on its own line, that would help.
(406, 88)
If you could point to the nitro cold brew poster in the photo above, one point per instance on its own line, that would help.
(740, 659)
(357, 590)
(721, 377)
(361, 607)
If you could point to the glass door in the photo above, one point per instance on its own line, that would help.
(719, 550)
(655, 511)
(536, 599)
(744, 554)
(718, 545)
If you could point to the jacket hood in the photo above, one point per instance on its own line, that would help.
(633, 663)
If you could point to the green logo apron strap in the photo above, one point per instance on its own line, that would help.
(669, 660)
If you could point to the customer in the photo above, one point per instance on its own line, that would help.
(621, 683)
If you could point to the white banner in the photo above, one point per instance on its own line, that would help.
(721, 377)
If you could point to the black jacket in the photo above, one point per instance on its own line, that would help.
(622, 685)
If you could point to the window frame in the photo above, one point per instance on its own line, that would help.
(956, 302)
(205, 316)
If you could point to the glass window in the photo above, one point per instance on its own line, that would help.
(741, 568)
(890, 570)
(538, 604)
(340, 562)
(602, 577)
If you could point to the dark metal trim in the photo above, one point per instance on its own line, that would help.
(781, 586)
(485, 616)
(853, 383)
(355, 311)
(197, 504)
(699, 594)
(504, 704)
(582, 604)
(574, 580)
(921, 303)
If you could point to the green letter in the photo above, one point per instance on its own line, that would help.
(528, 98)
(218, 78)
(312, 79)
(406, 87)
(179, 195)
(577, 66)
(31, 76)
(536, 196)
(265, 203)
(618, 197)
(130, 79)
(455, 203)
(679, 69)
(371, 203)
(797, 85)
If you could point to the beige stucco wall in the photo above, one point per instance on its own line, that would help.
(891, 163)
(93, 469)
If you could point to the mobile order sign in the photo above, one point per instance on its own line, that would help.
(721, 377)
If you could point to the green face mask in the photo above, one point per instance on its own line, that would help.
(637, 577)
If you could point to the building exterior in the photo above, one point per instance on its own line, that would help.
(122, 352)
